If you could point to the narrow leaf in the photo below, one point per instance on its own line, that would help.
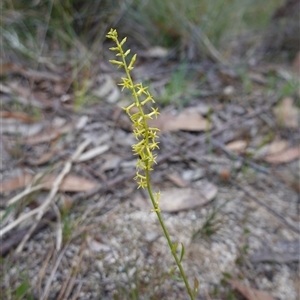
(182, 252)
(196, 285)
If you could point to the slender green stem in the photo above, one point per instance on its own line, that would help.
(166, 233)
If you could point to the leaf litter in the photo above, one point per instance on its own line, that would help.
(128, 229)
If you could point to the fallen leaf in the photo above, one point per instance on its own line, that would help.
(277, 146)
(189, 119)
(250, 293)
(177, 180)
(177, 199)
(44, 158)
(285, 156)
(48, 135)
(93, 153)
(287, 115)
(15, 183)
(33, 74)
(71, 183)
(111, 163)
(237, 146)
(17, 115)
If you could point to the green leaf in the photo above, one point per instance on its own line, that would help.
(196, 285)
(182, 252)
(22, 289)
(174, 247)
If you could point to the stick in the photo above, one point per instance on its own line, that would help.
(39, 211)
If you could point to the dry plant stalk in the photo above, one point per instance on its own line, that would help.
(146, 143)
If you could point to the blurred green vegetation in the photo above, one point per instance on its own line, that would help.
(36, 28)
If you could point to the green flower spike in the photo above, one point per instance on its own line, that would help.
(146, 142)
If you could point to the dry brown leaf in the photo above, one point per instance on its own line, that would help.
(111, 163)
(237, 146)
(177, 199)
(188, 119)
(277, 146)
(33, 74)
(71, 183)
(284, 156)
(48, 135)
(287, 115)
(17, 115)
(90, 154)
(15, 183)
(177, 180)
(44, 158)
(250, 293)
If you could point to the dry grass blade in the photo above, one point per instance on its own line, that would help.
(75, 272)
(30, 189)
(43, 271)
(54, 269)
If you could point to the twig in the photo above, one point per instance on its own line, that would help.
(43, 271)
(73, 278)
(39, 212)
(271, 210)
(26, 192)
(59, 226)
(47, 288)
(76, 295)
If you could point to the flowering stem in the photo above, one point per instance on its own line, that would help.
(146, 142)
(166, 233)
